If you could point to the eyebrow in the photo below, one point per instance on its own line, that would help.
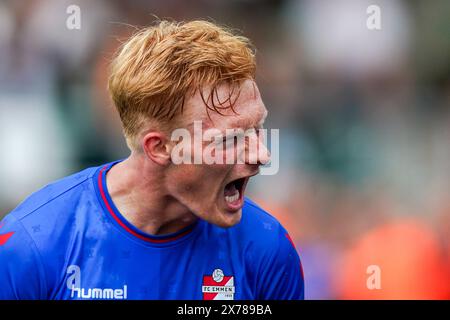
(241, 123)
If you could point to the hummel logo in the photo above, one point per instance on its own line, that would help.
(77, 292)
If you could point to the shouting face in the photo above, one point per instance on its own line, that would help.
(219, 153)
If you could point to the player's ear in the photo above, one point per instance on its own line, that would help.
(155, 147)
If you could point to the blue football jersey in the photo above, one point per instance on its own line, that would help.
(69, 241)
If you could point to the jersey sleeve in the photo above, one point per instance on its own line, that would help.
(281, 277)
(21, 269)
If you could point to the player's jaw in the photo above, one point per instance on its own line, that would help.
(230, 200)
(220, 201)
(212, 193)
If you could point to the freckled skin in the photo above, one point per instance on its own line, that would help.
(160, 197)
(200, 187)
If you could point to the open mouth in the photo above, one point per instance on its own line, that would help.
(234, 193)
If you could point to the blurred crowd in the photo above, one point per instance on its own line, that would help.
(364, 119)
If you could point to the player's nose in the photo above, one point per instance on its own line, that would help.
(263, 154)
(257, 151)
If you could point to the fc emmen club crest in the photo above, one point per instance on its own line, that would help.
(218, 286)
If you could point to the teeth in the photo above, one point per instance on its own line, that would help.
(232, 198)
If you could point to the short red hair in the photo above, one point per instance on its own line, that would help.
(157, 67)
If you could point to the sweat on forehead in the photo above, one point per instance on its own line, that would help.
(248, 109)
(223, 99)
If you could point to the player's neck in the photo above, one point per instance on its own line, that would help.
(141, 199)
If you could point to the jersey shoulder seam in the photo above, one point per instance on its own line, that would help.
(52, 199)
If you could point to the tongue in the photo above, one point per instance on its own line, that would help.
(230, 190)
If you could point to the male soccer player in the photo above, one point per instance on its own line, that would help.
(149, 227)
